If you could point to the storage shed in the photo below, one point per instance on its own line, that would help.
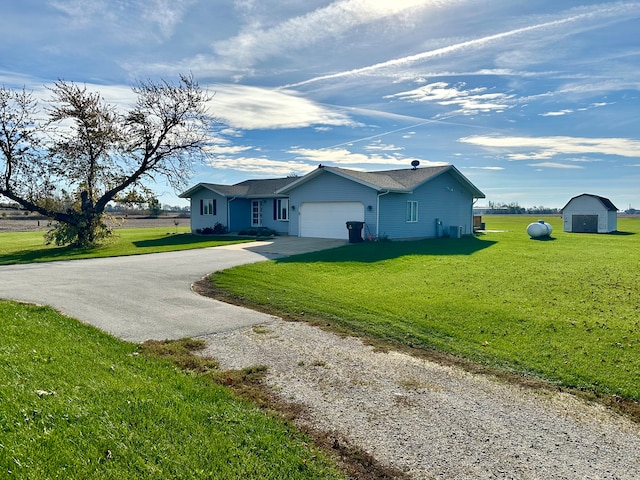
(589, 213)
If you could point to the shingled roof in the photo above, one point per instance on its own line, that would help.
(400, 181)
(606, 203)
(247, 189)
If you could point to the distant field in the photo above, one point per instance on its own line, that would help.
(566, 309)
(31, 223)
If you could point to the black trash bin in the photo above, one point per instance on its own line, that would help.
(355, 231)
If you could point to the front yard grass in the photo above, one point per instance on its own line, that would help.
(29, 247)
(565, 309)
(77, 403)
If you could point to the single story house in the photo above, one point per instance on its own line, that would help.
(395, 204)
(588, 213)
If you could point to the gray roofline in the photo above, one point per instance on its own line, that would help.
(299, 180)
(340, 172)
(229, 194)
(187, 194)
(606, 203)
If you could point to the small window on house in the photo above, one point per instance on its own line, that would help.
(412, 211)
(282, 209)
(208, 206)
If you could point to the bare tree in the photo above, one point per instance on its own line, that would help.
(84, 153)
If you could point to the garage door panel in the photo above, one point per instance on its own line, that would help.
(328, 219)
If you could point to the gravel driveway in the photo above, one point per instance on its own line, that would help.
(429, 420)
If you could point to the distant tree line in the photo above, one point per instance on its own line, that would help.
(151, 207)
(514, 208)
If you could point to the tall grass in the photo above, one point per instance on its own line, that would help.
(566, 309)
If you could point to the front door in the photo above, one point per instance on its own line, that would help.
(256, 213)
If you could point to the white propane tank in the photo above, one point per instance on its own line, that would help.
(539, 229)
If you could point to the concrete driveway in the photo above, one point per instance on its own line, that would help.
(148, 296)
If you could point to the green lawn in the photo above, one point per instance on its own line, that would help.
(77, 403)
(566, 309)
(29, 247)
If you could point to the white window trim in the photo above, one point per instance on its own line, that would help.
(256, 213)
(282, 206)
(207, 206)
(412, 211)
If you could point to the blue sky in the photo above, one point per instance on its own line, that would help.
(535, 102)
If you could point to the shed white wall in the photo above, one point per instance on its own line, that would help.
(587, 205)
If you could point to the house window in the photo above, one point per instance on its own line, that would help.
(412, 211)
(281, 209)
(208, 206)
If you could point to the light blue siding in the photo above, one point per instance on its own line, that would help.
(268, 217)
(329, 187)
(240, 214)
(240, 209)
(442, 202)
(442, 198)
(199, 222)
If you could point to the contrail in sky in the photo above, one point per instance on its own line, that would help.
(450, 49)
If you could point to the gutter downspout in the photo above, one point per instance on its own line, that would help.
(475, 200)
(378, 212)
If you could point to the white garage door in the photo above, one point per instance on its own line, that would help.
(328, 219)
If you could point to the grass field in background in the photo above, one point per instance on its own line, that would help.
(29, 247)
(566, 309)
(77, 403)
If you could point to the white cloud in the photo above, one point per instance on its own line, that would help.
(377, 145)
(394, 65)
(554, 165)
(250, 108)
(558, 113)
(584, 89)
(342, 156)
(260, 166)
(165, 14)
(132, 21)
(340, 17)
(226, 149)
(547, 147)
(468, 101)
